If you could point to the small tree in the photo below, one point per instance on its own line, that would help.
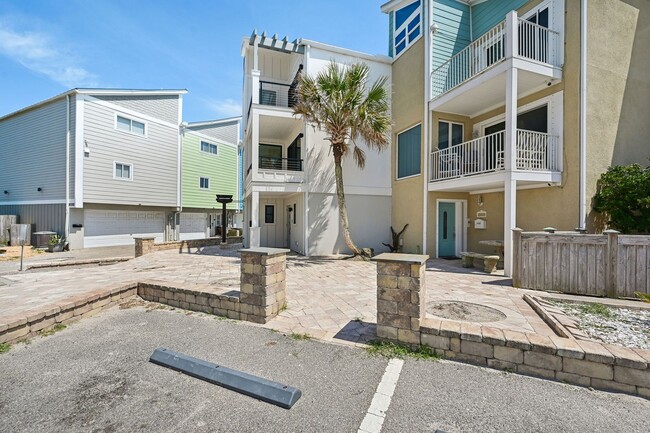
(340, 102)
(624, 195)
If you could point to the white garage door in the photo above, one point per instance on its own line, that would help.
(104, 228)
(193, 225)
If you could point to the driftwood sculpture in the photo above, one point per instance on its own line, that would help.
(395, 246)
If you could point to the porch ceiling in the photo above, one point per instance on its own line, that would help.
(278, 129)
(486, 92)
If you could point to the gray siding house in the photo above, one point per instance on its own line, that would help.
(96, 166)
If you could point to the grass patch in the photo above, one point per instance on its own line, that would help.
(394, 350)
(299, 337)
(645, 297)
(597, 310)
(5, 347)
(53, 330)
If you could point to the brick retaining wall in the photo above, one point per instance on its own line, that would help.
(400, 309)
(146, 245)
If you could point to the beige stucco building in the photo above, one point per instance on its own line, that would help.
(507, 112)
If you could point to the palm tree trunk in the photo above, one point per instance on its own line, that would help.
(340, 195)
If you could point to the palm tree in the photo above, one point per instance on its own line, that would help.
(340, 102)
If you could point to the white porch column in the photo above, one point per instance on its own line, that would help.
(255, 220)
(255, 86)
(509, 223)
(255, 145)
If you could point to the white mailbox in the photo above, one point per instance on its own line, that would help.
(479, 224)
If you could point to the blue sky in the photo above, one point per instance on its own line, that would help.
(49, 46)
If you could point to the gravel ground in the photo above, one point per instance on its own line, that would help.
(622, 326)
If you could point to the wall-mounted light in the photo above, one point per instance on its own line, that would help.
(479, 200)
(434, 28)
(39, 189)
(6, 192)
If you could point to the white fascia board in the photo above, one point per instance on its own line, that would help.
(38, 104)
(79, 145)
(187, 131)
(130, 92)
(212, 122)
(346, 51)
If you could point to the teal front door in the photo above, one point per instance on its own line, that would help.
(447, 229)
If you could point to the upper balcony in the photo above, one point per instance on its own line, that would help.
(474, 79)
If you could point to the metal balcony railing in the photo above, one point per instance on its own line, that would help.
(536, 151)
(277, 94)
(280, 164)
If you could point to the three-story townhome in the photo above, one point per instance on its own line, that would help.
(507, 112)
(289, 189)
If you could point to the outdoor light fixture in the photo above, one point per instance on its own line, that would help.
(479, 200)
(39, 189)
(6, 192)
(434, 28)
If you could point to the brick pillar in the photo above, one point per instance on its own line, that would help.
(401, 296)
(144, 245)
(263, 283)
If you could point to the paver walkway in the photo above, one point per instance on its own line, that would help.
(327, 299)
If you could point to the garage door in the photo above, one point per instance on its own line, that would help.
(108, 227)
(193, 225)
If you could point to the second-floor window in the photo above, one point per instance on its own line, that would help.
(204, 183)
(449, 134)
(409, 152)
(406, 27)
(129, 125)
(123, 171)
(209, 147)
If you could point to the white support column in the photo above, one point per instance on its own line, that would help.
(510, 141)
(255, 86)
(509, 223)
(255, 145)
(255, 220)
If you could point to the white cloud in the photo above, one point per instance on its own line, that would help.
(223, 107)
(39, 53)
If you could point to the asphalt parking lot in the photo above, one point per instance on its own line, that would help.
(95, 376)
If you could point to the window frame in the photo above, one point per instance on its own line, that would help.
(216, 147)
(450, 134)
(274, 214)
(131, 119)
(115, 177)
(405, 26)
(201, 178)
(419, 173)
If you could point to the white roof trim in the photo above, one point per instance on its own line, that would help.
(346, 51)
(113, 92)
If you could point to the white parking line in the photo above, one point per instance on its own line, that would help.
(376, 414)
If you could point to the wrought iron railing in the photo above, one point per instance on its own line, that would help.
(280, 164)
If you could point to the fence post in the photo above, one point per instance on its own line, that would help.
(612, 263)
(516, 257)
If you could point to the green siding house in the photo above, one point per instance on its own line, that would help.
(209, 167)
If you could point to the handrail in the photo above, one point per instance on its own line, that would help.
(280, 164)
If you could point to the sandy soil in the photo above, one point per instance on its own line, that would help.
(13, 253)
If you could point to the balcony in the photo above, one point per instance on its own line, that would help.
(536, 153)
(467, 82)
(280, 164)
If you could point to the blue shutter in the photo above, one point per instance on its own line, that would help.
(408, 152)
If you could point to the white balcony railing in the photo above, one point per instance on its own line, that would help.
(536, 151)
(533, 42)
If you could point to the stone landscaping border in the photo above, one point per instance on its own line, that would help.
(262, 297)
(105, 261)
(401, 317)
(147, 245)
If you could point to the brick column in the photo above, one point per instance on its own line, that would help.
(144, 245)
(401, 296)
(263, 283)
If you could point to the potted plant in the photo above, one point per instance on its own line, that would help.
(55, 244)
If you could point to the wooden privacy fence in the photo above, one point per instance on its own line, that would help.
(610, 264)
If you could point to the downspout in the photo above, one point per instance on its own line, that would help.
(582, 223)
(66, 230)
(425, 123)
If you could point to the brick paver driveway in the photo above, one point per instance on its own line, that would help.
(327, 299)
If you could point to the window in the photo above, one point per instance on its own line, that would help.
(204, 183)
(449, 134)
(269, 214)
(123, 171)
(268, 97)
(405, 27)
(129, 125)
(408, 152)
(209, 147)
